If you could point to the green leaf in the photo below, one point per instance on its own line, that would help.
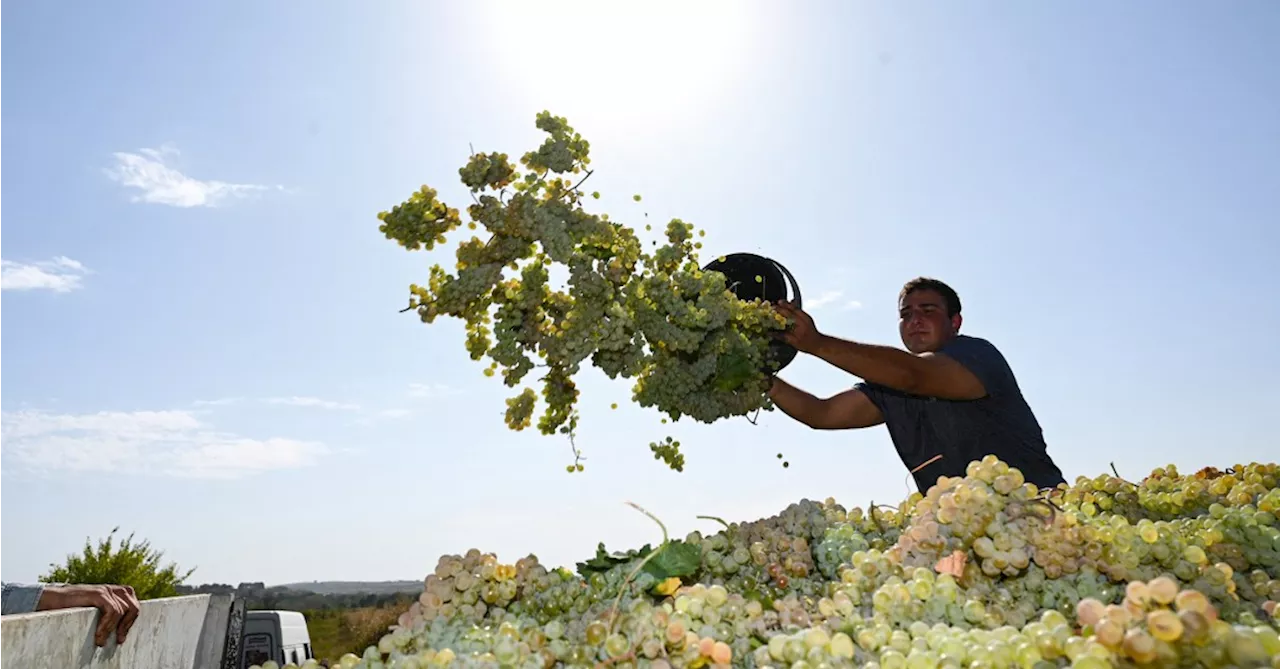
(604, 561)
(732, 372)
(676, 559)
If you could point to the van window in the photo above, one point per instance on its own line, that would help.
(256, 649)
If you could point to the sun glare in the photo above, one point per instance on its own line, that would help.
(634, 61)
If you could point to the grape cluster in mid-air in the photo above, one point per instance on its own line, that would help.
(981, 571)
(692, 347)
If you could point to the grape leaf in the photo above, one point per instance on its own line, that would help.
(732, 371)
(604, 561)
(677, 558)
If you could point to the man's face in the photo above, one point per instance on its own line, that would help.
(923, 322)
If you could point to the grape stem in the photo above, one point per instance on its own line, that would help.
(718, 520)
(1117, 473)
(1053, 509)
(580, 182)
(472, 154)
(577, 454)
(613, 613)
(627, 657)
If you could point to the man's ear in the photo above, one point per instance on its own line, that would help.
(956, 321)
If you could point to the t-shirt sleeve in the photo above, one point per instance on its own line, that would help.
(873, 392)
(19, 598)
(983, 360)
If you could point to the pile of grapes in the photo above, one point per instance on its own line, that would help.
(693, 348)
(982, 571)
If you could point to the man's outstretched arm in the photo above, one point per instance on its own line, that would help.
(927, 374)
(849, 409)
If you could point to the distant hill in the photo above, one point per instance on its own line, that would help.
(355, 587)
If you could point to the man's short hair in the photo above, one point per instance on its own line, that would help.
(949, 296)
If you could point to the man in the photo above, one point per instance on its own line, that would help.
(947, 400)
(117, 603)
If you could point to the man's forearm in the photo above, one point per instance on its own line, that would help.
(882, 365)
(794, 402)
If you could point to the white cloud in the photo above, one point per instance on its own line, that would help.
(61, 275)
(224, 401)
(430, 390)
(853, 304)
(311, 402)
(294, 401)
(364, 415)
(823, 300)
(173, 443)
(147, 171)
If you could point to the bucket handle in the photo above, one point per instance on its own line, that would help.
(795, 286)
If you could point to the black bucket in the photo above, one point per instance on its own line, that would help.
(776, 284)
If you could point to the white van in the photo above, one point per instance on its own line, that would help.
(281, 636)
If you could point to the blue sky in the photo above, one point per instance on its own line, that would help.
(202, 343)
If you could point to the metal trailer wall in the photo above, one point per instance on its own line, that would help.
(193, 632)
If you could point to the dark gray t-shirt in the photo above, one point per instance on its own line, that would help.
(965, 430)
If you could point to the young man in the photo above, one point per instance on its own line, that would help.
(947, 395)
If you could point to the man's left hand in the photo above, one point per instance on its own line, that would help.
(803, 334)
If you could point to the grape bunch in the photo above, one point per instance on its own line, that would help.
(981, 571)
(690, 345)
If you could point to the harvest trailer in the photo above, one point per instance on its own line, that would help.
(191, 632)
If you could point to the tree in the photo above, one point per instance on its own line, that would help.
(136, 565)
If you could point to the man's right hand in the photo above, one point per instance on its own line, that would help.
(118, 604)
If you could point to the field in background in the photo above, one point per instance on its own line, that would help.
(338, 631)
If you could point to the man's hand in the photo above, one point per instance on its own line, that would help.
(118, 604)
(803, 334)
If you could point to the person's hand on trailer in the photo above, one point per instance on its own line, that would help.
(117, 603)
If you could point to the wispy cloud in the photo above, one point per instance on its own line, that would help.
(853, 304)
(430, 390)
(173, 443)
(220, 402)
(363, 415)
(61, 275)
(294, 401)
(148, 171)
(823, 300)
(312, 402)
(416, 391)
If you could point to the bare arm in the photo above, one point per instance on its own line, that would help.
(847, 410)
(927, 374)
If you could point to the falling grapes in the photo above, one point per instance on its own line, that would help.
(690, 345)
(980, 571)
